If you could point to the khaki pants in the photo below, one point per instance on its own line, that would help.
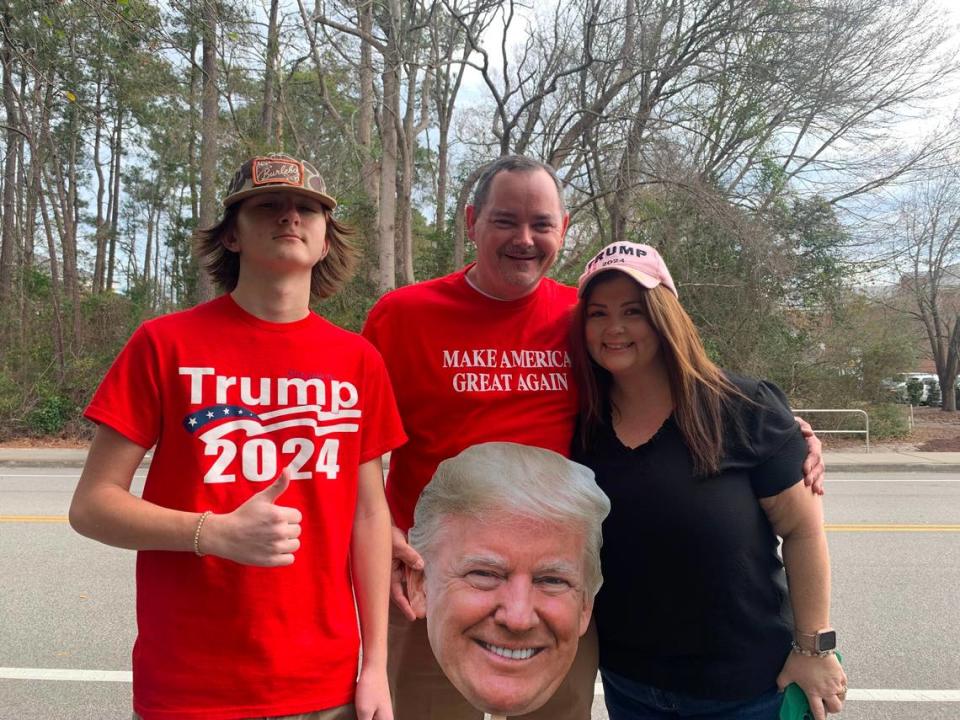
(342, 712)
(421, 691)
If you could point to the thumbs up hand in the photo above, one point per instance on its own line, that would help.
(259, 532)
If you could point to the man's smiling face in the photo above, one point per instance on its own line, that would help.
(505, 605)
(518, 233)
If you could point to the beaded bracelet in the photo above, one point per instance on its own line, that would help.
(795, 647)
(196, 534)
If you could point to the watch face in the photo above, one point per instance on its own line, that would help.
(826, 640)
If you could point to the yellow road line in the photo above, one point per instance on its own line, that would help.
(33, 518)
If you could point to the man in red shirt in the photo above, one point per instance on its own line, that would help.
(476, 356)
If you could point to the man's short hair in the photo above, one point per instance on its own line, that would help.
(512, 163)
(492, 479)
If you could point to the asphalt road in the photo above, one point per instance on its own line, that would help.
(66, 603)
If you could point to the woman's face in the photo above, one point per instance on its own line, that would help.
(619, 336)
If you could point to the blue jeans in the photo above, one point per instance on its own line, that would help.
(629, 700)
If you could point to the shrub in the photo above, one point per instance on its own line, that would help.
(50, 415)
(914, 391)
(887, 421)
(933, 393)
(10, 396)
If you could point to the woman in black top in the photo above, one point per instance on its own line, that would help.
(703, 470)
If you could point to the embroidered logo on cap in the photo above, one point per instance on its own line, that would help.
(276, 171)
(642, 262)
(271, 173)
(614, 254)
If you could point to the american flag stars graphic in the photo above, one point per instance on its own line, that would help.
(213, 413)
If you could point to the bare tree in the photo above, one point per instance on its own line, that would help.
(519, 81)
(453, 37)
(927, 233)
(756, 98)
(394, 31)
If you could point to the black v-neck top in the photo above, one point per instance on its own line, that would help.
(694, 595)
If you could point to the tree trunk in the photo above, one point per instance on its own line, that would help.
(192, 149)
(100, 228)
(115, 198)
(459, 223)
(629, 171)
(72, 208)
(443, 150)
(948, 379)
(208, 135)
(8, 235)
(948, 393)
(405, 218)
(408, 146)
(157, 290)
(55, 290)
(26, 212)
(29, 202)
(369, 170)
(148, 250)
(65, 216)
(190, 282)
(26, 200)
(445, 89)
(386, 225)
(269, 76)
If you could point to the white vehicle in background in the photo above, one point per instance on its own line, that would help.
(897, 386)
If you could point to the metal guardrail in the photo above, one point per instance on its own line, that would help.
(866, 420)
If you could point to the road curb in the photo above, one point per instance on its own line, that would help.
(53, 457)
(891, 468)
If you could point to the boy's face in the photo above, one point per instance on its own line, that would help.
(279, 231)
(505, 604)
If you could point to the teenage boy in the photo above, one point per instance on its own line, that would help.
(263, 510)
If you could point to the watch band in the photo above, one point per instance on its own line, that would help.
(817, 643)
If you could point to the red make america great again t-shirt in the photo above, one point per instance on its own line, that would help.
(230, 400)
(469, 369)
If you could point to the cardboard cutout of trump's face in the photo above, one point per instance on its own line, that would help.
(506, 604)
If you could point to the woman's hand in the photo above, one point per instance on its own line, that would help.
(822, 680)
(813, 467)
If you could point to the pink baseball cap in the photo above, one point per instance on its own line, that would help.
(641, 262)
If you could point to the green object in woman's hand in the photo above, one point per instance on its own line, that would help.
(795, 705)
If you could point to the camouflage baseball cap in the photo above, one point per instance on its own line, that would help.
(273, 173)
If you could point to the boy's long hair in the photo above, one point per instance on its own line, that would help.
(326, 278)
(699, 388)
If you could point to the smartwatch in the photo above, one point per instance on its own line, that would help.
(820, 642)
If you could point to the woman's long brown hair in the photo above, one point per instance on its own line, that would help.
(699, 388)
